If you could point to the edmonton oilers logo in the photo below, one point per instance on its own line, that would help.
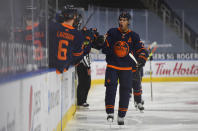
(121, 48)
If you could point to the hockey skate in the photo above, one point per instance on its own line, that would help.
(139, 106)
(110, 117)
(120, 120)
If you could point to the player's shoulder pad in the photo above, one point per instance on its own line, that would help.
(112, 30)
(135, 36)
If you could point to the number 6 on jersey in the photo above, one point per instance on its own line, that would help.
(62, 51)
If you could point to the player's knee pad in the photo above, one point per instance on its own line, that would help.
(137, 92)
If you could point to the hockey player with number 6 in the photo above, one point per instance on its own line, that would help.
(119, 43)
(65, 41)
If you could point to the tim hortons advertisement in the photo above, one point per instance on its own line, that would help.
(158, 68)
(172, 69)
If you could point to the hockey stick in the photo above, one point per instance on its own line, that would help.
(88, 19)
(153, 50)
(132, 57)
(151, 72)
(154, 46)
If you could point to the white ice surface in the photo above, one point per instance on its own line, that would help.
(174, 108)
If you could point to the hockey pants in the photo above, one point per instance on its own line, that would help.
(111, 82)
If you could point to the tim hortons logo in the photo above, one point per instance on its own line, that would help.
(178, 69)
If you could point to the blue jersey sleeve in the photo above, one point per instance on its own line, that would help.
(139, 49)
(78, 48)
(88, 41)
(107, 48)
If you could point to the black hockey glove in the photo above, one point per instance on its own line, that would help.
(94, 31)
(88, 40)
(98, 42)
(141, 60)
(89, 36)
(98, 39)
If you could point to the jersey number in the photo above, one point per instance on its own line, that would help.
(62, 52)
(38, 50)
